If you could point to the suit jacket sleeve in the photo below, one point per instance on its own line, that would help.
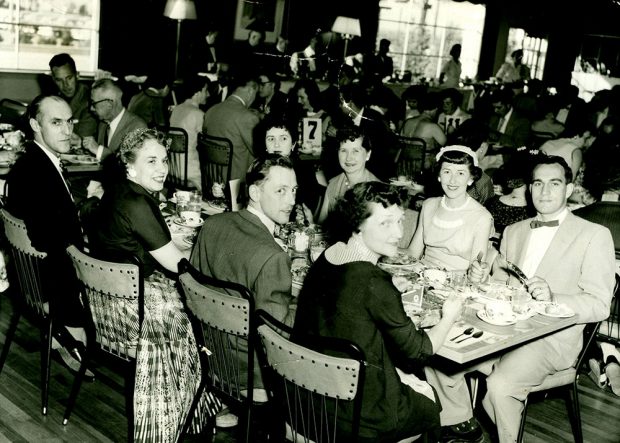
(595, 286)
(247, 130)
(272, 289)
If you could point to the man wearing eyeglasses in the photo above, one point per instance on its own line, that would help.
(270, 101)
(114, 120)
(40, 196)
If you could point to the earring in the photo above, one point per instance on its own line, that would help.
(132, 172)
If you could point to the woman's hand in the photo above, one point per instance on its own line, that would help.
(452, 308)
(478, 272)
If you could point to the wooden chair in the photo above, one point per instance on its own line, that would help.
(565, 380)
(215, 156)
(25, 274)
(309, 386)
(114, 293)
(223, 320)
(13, 112)
(411, 156)
(177, 158)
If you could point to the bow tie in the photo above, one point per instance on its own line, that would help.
(539, 223)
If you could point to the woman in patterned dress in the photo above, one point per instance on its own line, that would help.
(129, 221)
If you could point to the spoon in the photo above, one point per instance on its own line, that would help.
(465, 332)
(476, 335)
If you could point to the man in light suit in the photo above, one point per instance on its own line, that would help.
(39, 195)
(233, 120)
(114, 120)
(567, 260)
(240, 246)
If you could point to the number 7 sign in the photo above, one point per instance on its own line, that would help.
(312, 132)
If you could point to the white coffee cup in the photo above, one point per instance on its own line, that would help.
(498, 309)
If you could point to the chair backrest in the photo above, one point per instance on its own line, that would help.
(114, 294)
(316, 382)
(177, 156)
(411, 156)
(222, 315)
(538, 138)
(215, 156)
(610, 328)
(27, 264)
(12, 111)
(606, 214)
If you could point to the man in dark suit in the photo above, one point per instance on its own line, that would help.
(507, 128)
(240, 246)
(114, 120)
(233, 120)
(39, 195)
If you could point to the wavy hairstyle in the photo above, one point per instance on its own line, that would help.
(354, 206)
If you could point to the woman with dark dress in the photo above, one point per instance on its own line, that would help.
(346, 295)
(514, 204)
(129, 222)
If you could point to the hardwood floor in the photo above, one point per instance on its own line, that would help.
(99, 415)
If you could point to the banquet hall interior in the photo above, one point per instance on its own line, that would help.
(563, 43)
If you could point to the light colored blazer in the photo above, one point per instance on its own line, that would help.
(128, 123)
(579, 268)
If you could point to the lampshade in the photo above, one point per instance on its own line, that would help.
(180, 10)
(347, 26)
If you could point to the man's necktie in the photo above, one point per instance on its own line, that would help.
(106, 134)
(539, 223)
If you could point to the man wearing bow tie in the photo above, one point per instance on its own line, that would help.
(567, 260)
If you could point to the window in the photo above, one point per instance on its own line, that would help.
(423, 31)
(32, 31)
(534, 50)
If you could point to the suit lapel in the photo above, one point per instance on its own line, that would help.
(556, 251)
(120, 129)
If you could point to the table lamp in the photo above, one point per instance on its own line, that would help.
(179, 10)
(348, 27)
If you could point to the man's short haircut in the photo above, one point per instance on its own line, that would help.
(242, 78)
(272, 78)
(193, 84)
(553, 160)
(504, 95)
(62, 59)
(34, 109)
(107, 84)
(259, 169)
(455, 95)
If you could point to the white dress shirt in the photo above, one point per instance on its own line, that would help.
(56, 162)
(537, 245)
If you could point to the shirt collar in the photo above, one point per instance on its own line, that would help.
(240, 99)
(353, 250)
(269, 223)
(53, 157)
(114, 123)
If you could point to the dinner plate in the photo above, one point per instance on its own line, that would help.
(188, 223)
(503, 321)
(5, 164)
(496, 291)
(563, 310)
(401, 182)
(79, 159)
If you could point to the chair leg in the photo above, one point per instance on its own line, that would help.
(10, 334)
(46, 357)
(75, 388)
(522, 425)
(574, 414)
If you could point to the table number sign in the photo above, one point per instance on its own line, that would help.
(414, 297)
(312, 132)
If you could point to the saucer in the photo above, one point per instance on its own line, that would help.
(562, 311)
(503, 321)
(189, 222)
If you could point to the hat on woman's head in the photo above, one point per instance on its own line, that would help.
(458, 148)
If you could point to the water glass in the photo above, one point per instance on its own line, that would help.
(195, 202)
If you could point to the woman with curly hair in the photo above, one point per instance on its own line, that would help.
(129, 222)
(346, 295)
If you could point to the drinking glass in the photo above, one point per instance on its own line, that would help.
(195, 202)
